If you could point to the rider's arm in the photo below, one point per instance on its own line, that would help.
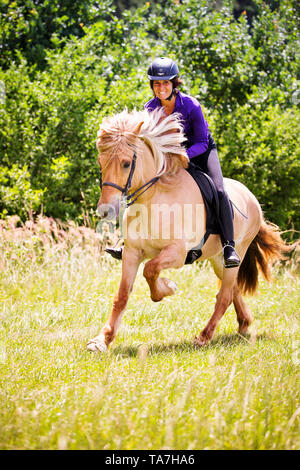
(199, 140)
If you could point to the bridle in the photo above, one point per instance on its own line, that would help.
(127, 197)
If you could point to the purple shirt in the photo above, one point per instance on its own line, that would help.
(194, 125)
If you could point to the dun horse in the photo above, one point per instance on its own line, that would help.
(142, 159)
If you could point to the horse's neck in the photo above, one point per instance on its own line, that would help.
(165, 188)
(167, 183)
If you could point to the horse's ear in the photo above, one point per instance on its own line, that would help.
(137, 130)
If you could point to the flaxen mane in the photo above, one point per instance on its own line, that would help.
(162, 134)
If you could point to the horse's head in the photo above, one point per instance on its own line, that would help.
(120, 172)
(133, 148)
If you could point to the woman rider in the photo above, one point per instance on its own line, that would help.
(201, 149)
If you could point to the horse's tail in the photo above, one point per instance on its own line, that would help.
(264, 250)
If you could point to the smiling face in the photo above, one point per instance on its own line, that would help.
(162, 88)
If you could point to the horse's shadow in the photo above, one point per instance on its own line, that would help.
(228, 340)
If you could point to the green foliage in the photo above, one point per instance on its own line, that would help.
(16, 193)
(50, 122)
(33, 26)
(260, 148)
(246, 81)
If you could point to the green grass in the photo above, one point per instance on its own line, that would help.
(153, 389)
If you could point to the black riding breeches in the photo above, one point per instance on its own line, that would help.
(209, 163)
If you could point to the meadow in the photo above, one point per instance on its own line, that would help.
(153, 389)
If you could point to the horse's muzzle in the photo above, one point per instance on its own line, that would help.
(108, 211)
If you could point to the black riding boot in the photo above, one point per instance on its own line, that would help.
(115, 252)
(231, 258)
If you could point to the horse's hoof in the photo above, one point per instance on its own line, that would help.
(243, 331)
(97, 345)
(200, 341)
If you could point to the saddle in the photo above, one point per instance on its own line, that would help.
(211, 201)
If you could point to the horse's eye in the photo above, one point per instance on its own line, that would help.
(126, 165)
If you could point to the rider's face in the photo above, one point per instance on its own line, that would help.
(162, 88)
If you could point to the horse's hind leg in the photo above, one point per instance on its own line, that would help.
(172, 256)
(228, 293)
(224, 299)
(244, 316)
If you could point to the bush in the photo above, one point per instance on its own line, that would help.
(34, 26)
(16, 192)
(260, 148)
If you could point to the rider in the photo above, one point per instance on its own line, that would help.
(201, 149)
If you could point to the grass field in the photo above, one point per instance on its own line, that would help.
(153, 389)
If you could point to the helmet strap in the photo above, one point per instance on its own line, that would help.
(170, 97)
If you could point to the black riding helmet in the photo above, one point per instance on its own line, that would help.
(162, 68)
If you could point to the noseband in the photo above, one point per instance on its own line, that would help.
(127, 186)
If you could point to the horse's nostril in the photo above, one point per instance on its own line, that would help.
(102, 212)
(106, 211)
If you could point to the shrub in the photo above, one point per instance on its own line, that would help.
(260, 148)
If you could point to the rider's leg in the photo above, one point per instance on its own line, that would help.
(211, 165)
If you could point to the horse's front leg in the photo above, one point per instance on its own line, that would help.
(130, 264)
(172, 256)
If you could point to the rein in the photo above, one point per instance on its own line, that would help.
(127, 186)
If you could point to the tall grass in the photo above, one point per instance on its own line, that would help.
(153, 389)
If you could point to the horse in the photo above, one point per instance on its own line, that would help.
(144, 163)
